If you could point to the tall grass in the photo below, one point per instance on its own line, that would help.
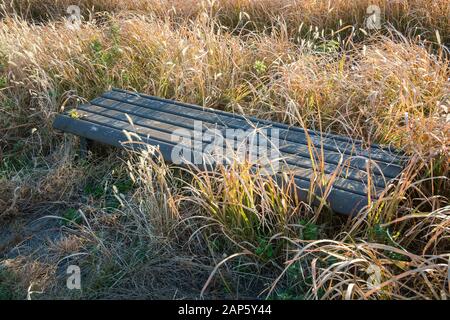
(235, 225)
(417, 16)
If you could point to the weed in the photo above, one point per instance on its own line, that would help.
(310, 231)
(95, 190)
(260, 67)
(265, 250)
(71, 216)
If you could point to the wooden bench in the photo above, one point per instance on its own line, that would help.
(362, 172)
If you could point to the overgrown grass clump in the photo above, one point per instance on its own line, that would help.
(143, 228)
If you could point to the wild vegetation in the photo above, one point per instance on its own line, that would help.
(142, 228)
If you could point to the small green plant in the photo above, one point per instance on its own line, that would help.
(383, 235)
(296, 286)
(104, 277)
(115, 33)
(102, 56)
(310, 231)
(260, 67)
(72, 216)
(329, 46)
(380, 233)
(94, 190)
(96, 46)
(15, 160)
(265, 250)
(107, 56)
(3, 60)
(12, 164)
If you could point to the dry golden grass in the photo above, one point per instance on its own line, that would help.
(406, 15)
(249, 57)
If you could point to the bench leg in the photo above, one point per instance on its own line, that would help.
(84, 147)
